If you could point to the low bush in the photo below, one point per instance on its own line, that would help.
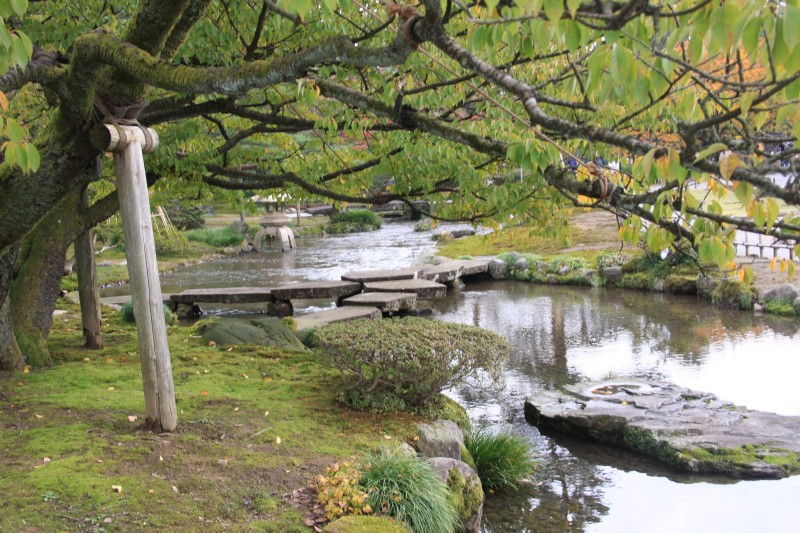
(502, 460)
(126, 314)
(363, 217)
(407, 488)
(218, 238)
(185, 216)
(403, 363)
(171, 243)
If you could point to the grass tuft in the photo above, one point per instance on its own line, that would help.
(503, 460)
(218, 238)
(407, 488)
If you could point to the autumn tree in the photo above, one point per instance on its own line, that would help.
(476, 103)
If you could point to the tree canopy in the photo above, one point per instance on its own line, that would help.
(483, 106)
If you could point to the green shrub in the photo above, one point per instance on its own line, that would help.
(110, 232)
(362, 217)
(407, 488)
(503, 460)
(185, 216)
(733, 294)
(218, 238)
(405, 362)
(571, 262)
(171, 243)
(126, 314)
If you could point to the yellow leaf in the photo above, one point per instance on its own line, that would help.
(27, 368)
(3, 101)
(46, 460)
(728, 163)
(110, 388)
(782, 266)
(772, 264)
(203, 393)
(266, 413)
(116, 488)
(277, 440)
(39, 416)
(86, 359)
(740, 275)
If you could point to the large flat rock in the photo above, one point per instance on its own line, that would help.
(388, 302)
(340, 314)
(424, 289)
(364, 276)
(452, 270)
(691, 430)
(228, 295)
(316, 289)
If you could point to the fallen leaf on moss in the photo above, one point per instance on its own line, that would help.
(277, 440)
(132, 418)
(203, 393)
(110, 388)
(212, 343)
(26, 369)
(116, 488)
(39, 416)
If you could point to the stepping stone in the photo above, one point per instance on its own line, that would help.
(388, 302)
(424, 289)
(381, 275)
(452, 270)
(340, 314)
(232, 295)
(316, 289)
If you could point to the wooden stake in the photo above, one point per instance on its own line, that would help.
(87, 285)
(128, 143)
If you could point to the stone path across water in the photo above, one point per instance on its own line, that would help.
(694, 431)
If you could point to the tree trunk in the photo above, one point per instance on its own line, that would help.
(38, 282)
(10, 354)
(87, 285)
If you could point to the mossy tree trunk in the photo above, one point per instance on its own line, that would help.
(10, 354)
(38, 281)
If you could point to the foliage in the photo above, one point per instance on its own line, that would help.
(407, 488)
(185, 216)
(502, 460)
(171, 243)
(126, 314)
(339, 492)
(782, 307)
(404, 363)
(110, 232)
(353, 221)
(218, 237)
(566, 263)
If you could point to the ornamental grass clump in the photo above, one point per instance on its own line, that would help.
(502, 460)
(406, 488)
(404, 363)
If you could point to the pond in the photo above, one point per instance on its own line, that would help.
(563, 335)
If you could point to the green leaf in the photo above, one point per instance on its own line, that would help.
(572, 6)
(14, 131)
(553, 9)
(791, 22)
(711, 150)
(745, 102)
(19, 6)
(743, 192)
(33, 157)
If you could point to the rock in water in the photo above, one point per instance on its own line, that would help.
(691, 430)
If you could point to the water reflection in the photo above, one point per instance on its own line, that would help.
(563, 335)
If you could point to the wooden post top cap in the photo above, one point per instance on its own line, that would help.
(114, 138)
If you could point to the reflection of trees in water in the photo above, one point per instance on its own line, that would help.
(543, 323)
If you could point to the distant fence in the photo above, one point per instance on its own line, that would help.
(755, 244)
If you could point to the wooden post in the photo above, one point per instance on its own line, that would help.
(87, 285)
(128, 143)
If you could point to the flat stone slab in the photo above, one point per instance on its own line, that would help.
(231, 295)
(452, 270)
(381, 275)
(316, 289)
(340, 314)
(691, 430)
(424, 289)
(385, 301)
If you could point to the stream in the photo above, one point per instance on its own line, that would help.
(562, 335)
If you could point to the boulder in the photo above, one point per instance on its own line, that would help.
(782, 293)
(442, 438)
(796, 305)
(497, 269)
(706, 285)
(612, 273)
(691, 430)
(466, 492)
(267, 331)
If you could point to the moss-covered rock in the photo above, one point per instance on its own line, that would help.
(267, 331)
(782, 308)
(734, 294)
(638, 280)
(365, 524)
(679, 284)
(464, 488)
(452, 410)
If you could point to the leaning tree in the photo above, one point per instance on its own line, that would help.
(477, 105)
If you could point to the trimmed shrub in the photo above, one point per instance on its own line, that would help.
(172, 243)
(126, 314)
(185, 216)
(407, 488)
(362, 217)
(502, 460)
(403, 363)
(218, 238)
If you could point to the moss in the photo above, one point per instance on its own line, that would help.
(644, 441)
(638, 280)
(465, 494)
(781, 307)
(452, 410)
(365, 524)
(467, 458)
(680, 284)
(733, 294)
(732, 459)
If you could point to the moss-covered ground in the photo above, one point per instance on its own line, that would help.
(254, 424)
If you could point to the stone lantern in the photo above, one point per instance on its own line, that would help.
(274, 224)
